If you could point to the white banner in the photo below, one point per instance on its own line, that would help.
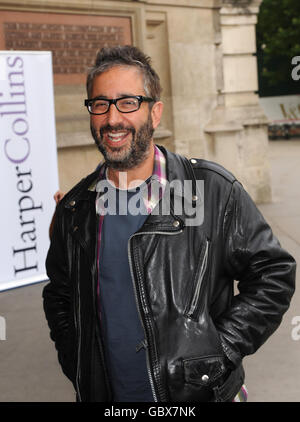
(28, 165)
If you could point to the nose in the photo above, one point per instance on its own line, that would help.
(113, 116)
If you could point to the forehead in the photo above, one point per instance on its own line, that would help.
(119, 80)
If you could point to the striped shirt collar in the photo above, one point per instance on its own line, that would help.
(158, 180)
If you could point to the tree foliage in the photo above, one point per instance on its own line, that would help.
(278, 41)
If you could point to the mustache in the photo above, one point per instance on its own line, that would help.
(109, 128)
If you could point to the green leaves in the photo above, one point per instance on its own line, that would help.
(278, 41)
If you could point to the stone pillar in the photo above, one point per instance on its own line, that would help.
(191, 33)
(237, 132)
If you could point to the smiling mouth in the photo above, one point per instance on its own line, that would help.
(116, 136)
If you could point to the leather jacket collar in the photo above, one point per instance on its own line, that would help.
(178, 169)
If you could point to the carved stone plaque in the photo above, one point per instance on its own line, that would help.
(73, 39)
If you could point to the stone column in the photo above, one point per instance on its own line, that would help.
(237, 132)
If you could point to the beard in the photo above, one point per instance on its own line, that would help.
(123, 158)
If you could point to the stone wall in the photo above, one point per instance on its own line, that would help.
(236, 135)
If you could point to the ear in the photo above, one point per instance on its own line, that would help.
(156, 113)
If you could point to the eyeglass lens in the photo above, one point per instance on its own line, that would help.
(124, 105)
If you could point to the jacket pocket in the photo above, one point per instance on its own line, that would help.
(205, 371)
(192, 310)
(227, 391)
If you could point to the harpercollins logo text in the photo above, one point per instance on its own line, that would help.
(16, 143)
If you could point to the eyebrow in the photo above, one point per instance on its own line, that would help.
(120, 95)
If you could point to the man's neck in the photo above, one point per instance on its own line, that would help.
(130, 178)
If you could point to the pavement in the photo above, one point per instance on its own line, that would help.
(28, 361)
(273, 372)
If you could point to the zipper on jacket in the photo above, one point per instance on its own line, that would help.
(97, 310)
(194, 304)
(147, 324)
(77, 319)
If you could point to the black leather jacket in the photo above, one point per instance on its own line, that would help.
(197, 330)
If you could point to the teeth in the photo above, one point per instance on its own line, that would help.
(116, 136)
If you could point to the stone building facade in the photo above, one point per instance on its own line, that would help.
(203, 51)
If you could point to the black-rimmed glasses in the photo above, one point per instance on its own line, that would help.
(128, 104)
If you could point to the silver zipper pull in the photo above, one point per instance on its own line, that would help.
(142, 345)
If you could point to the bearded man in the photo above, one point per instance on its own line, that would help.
(140, 301)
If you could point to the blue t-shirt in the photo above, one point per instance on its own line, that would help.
(121, 325)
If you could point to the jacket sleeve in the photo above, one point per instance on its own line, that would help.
(57, 295)
(265, 273)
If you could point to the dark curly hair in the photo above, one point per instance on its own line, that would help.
(126, 55)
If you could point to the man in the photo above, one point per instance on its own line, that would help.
(140, 304)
